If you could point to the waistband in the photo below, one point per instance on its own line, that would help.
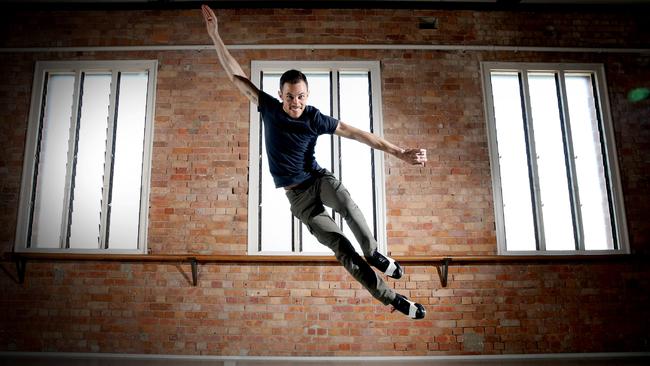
(302, 185)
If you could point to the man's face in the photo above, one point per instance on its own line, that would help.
(294, 98)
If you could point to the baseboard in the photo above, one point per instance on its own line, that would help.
(534, 356)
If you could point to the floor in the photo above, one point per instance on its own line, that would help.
(10, 359)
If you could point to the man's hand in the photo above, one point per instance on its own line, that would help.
(229, 64)
(414, 156)
(210, 21)
(411, 156)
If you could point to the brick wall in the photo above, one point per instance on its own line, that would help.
(199, 197)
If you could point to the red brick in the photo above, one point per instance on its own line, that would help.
(431, 99)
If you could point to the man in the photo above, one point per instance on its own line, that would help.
(291, 129)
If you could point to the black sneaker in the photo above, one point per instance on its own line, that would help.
(407, 307)
(386, 265)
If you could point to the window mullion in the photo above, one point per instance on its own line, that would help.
(616, 212)
(493, 150)
(109, 160)
(337, 167)
(336, 113)
(532, 161)
(296, 229)
(33, 226)
(73, 144)
(378, 184)
(296, 234)
(373, 180)
(256, 171)
(570, 161)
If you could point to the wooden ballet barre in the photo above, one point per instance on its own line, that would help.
(441, 262)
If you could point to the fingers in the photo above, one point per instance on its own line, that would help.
(208, 14)
(422, 156)
(418, 156)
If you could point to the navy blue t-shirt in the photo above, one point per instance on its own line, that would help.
(290, 142)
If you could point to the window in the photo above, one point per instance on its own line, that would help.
(348, 91)
(554, 165)
(87, 157)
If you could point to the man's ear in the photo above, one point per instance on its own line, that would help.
(280, 94)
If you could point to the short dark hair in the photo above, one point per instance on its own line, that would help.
(293, 77)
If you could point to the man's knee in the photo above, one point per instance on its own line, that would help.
(341, 247)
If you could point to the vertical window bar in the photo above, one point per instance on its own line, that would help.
(37, 158)
(296, 230)
(109, 160)
(146, 162)
(495, 168)
(334, 137)
(337, 164)
(259, 168)
(372, 161)
(295, 227)
(72, 159)
(532, 159)
(336, 113)
(606, 167)
(569, 154)
(336, 140)
(296, 234)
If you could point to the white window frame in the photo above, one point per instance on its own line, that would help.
(257, 67)
(42, 68)
(619, 222)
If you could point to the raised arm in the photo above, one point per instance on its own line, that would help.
(229, 64)
(411, 156)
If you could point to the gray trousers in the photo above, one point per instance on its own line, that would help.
(307, 204)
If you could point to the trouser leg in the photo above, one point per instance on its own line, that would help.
(336, 196)
(307, 206)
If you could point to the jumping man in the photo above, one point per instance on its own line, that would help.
(291, 129)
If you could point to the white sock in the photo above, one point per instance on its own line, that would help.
(392, 267)
(412, 309)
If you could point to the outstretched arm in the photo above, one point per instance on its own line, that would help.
(229, 64)
(411, 156)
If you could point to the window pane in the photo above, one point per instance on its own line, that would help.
(513, 163)
(589, 162)
(89, 170)
(551, 162)
(276, 219)
(319, 97)
(275, 214)
(127, 169)
(275, 226)
(356, 167)
(52, 162)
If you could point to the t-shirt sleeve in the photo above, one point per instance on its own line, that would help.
(325, 124)
(266, 102)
